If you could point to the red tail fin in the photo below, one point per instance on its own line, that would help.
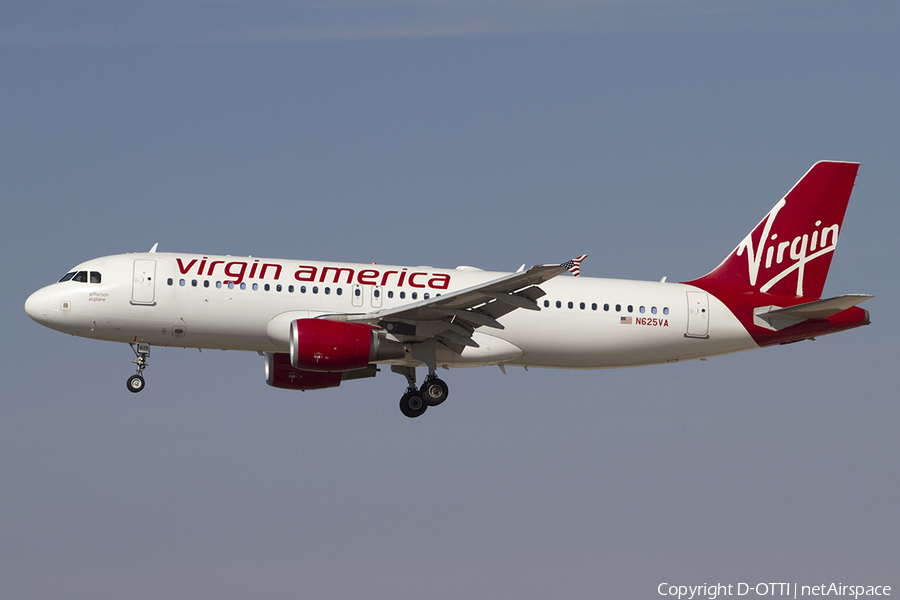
(789, 252)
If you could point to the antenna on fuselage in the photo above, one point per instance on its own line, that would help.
(153, 249)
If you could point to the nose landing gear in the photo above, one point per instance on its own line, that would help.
(135, 383)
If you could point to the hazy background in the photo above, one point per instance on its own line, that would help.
(651, 135)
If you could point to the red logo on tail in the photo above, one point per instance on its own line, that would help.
(789, 252)
(802, 250)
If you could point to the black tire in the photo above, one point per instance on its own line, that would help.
(135, 383)
(434, 391)
(412, 405)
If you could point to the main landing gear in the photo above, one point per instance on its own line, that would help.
(135, 383)
(415, 401)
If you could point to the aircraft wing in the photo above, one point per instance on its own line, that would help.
(454, 316)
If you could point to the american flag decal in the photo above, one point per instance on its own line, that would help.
(625, 321)
(574, 265)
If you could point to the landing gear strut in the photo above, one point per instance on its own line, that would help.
(415, 401)
(135, 383)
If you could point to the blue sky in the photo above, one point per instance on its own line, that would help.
(651, 135)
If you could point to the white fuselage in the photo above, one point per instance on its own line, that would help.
(244, 303)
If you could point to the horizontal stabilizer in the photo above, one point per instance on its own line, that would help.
(777, 318)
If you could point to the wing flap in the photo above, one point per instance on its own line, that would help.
(515, 300)
(475, 317)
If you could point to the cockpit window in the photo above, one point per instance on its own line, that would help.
(82, 277)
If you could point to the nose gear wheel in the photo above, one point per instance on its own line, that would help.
(135, 383)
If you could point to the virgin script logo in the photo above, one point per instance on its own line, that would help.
(801, 250)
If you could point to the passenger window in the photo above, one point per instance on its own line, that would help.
(255, 287)
(618, 308)
(666, 310)
(219, 285)
(243, 286)
(181, 282)
(266, 287)
(69, 276)
(425, 295)
(606, 307)
(641, 309)
(581, 306)
(357, 292)
(546, 304)
(291, 289)
(230, 285)
(339, 291)
(315, 289)
(376, 293)
(95, 277)
(571, 305)
(594, 306)
(206, 283)
(402, 295)
(170, 281)
(390, 293)
(653, 310)
(558, 304)
(630, 308)
(302, 289)
(278, 288)
(327, 290)
(415, 295)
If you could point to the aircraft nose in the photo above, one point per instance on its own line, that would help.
(36, 305)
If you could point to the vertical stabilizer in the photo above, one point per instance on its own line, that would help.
(789, 252)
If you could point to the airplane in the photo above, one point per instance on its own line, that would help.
(318, 324)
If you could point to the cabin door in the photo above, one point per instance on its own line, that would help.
(143, 289)
(698, 315)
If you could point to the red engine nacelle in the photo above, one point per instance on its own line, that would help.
(327, 346)
(280, 374)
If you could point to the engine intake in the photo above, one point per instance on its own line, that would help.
(325, 346)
